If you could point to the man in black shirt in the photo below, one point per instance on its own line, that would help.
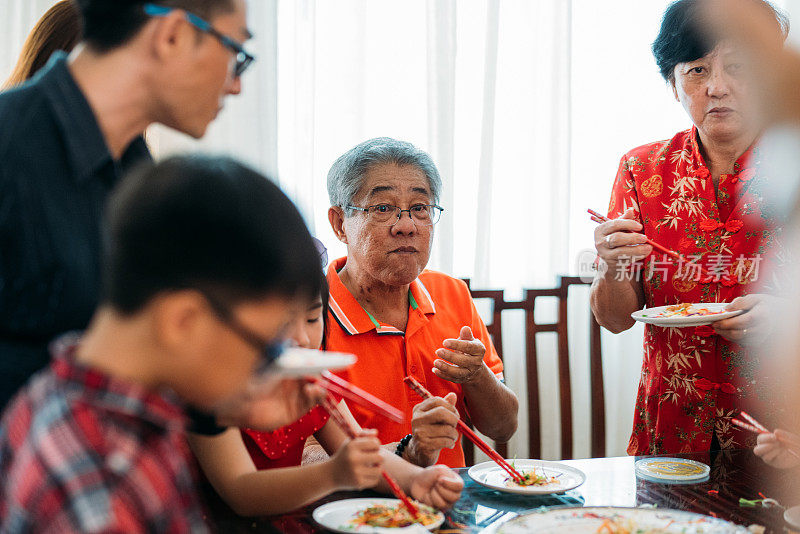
(68, 135)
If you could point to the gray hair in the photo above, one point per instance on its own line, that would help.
(347, 173)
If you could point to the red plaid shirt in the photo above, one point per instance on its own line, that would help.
(81, 451)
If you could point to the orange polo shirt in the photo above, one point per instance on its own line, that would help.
(439, 306)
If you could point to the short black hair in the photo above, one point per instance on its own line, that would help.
(108, 24)
(683, 36)
(204, 223)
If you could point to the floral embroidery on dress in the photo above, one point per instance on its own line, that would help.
(693, 381)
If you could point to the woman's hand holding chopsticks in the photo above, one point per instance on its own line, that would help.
(620, 241)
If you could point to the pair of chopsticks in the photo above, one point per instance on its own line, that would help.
(420, 390)
(329, 404)
(338, 386)
(758, 428)
(599, 219)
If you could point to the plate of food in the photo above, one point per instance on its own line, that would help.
(686, 314)
(297, 362)
(376, 515)
(612, 520)
(671, 470)
(541, 477)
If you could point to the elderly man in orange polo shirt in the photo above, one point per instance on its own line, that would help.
(401, 319)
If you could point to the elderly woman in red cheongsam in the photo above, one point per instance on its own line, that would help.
(698, 193)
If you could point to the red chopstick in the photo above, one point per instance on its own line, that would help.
(746, 426)
(330, 406)
(758, 428)
(753, 422)
(596, 217)
(339, 386)
(420, 390)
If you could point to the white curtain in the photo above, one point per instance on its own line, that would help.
(17, 17)
(525, 105)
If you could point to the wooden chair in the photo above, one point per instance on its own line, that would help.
(560, 328)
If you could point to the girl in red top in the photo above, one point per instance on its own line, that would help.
(259, 473)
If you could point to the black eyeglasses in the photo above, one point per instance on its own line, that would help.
(388, 215)
(269, 351)
(243, 59)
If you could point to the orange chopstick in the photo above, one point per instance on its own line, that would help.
(420, 390)
(343, 388)
(338, 417)
(596, 217)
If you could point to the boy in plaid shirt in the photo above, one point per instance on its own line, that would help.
(205, 263)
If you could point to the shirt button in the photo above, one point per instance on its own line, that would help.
(413, 368)
(118, 463)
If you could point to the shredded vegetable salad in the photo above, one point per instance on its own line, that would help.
(686, 310)
(531, 478)
(395, 516)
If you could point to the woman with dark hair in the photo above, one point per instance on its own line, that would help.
(58, 29)
(700, 194)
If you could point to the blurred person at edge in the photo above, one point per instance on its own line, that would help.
(198, 292)
(70, 133)
(701, 193)
(401, 319)
(776, 68)
(58, 29)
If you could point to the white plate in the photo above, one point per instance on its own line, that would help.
(338, 515)
(649, 315)
(589, 520)
(295, 361)
(792, 516)
(493, 476)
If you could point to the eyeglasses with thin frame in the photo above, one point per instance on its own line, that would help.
(388, 215)
(243, 58)
(268, 351)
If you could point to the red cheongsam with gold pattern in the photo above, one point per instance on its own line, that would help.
(694, 381)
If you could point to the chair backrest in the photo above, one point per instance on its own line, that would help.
(560, 328)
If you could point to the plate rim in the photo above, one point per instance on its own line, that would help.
(494, 527)
(672, 478)
(382, 500)
(793, 524)
(521, 491)
(699, 320)
(277, 369)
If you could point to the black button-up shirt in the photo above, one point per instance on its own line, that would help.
(55, 175)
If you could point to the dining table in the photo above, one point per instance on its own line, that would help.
(734, 475)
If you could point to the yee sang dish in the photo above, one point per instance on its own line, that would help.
(395, 516)
(532, 479)
(687, 310)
